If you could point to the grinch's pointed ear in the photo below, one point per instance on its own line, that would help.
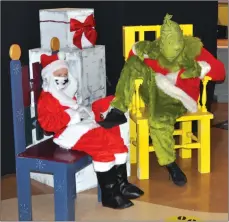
(167, 18)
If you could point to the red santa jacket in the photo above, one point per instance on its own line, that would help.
(53, 118)
(191, 86)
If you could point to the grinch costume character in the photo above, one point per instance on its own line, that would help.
(171, 68)
(74, 127)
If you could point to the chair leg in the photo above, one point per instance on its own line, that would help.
(204, 152)
(143, 150)
(186, 127)
(64, 194)
(24, 193)
(99, 194)
(133, 156)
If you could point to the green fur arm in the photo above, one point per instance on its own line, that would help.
(147, 48)
(192, 49)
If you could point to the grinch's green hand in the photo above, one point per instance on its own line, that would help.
(140, 49)
(192, 68)
(188, 74)
(187, 63)
(147, 48)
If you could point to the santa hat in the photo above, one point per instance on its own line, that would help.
(52, 63)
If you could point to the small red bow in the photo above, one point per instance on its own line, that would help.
(87, 27)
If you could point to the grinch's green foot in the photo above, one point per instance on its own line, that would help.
(176, 174)
(114, 118)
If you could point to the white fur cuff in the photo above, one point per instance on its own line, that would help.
(74, 116)
(104, 114)
(120, 158)
(205, 68)
(102, 166)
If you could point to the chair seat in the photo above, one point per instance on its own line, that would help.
(195, 116)
(186, 117)
(48, 150)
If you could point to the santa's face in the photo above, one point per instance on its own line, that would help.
(61, 78)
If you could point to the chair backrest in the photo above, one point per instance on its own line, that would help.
(129, 33)
(24, 92)
(129, 38)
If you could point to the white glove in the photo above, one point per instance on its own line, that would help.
(205, 68)
(74, 115)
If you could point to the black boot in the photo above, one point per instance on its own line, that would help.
(111, 196)
(176, 174)
(127, 189)
(114, 118)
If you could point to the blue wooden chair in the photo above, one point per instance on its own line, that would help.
(45, 156)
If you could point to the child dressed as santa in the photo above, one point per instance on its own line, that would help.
(75, 127)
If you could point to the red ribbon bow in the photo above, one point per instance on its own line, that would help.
(87, 27)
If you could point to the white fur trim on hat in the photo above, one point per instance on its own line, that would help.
(52, 67)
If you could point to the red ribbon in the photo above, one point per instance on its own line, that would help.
(87, 27)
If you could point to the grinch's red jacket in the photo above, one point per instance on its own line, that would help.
(190, 87)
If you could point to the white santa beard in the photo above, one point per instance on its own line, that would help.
(62, 97)
(72, 87)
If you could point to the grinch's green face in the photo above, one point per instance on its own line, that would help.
(171, 40)
(172, 46)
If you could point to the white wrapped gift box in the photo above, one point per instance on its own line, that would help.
(56, 23)
(88, 67)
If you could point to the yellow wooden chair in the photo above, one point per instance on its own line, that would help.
(139, 129)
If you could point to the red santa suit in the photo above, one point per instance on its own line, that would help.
(73, 125)
(186, 90)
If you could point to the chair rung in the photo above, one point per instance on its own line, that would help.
(185, 146)
(177, 132)
(192, 136)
